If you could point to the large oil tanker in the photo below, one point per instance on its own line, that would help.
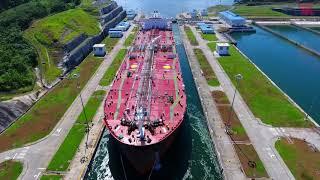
(146, 103)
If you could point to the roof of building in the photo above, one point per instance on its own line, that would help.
(200, 24)
(99, 45)
(205, 27)
(124, 24)
(115, 32)
(230, 15)
(131, 12)
(117, 28)
(223, 44)
(131, 15)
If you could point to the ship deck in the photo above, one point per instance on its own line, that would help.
(150, 79)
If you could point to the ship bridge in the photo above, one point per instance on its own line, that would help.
(155, 22)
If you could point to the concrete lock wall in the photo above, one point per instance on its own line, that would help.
(107, 9)
(107, 17)
(80, 53)
(71, 45)
(114, 22)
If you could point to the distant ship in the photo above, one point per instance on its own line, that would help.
(146, 104)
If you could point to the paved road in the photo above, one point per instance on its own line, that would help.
(36, 157)
(226, 152)
(261, 136)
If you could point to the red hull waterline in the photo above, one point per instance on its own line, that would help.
(146, 103)
(144, 159)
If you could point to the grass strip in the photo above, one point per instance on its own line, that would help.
(257, 11)
(209, 37)
(190, 35)
(206, 68)
(214, 10)
(212, 46)
(243, 151)
(113, 68)
(110, 43)
(46, 113)
(302, 159)
(264, 99)
(51, 177)
(10, 169)
(238, 133)
(135, 29)
(129, 40)
(63, 157)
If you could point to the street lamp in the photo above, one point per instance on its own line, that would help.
(77, 76)
(238, 77)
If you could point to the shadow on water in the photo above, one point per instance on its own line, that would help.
(191, 156)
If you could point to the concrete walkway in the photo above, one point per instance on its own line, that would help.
(224, 148)
(37, 156)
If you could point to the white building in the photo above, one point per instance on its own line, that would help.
(222, 49)
(99, 49)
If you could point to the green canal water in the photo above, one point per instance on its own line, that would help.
(316, 28)
(301, 36)
(191, 156)
(293, 69)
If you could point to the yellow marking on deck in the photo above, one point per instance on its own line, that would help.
(167, 67)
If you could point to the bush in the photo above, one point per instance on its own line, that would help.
(17, 56)
(17, 59)
(7, 4)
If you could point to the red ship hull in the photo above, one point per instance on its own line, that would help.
(146, 104)
(143, 159)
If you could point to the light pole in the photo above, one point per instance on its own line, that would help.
(238, 77)
(77, 76)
